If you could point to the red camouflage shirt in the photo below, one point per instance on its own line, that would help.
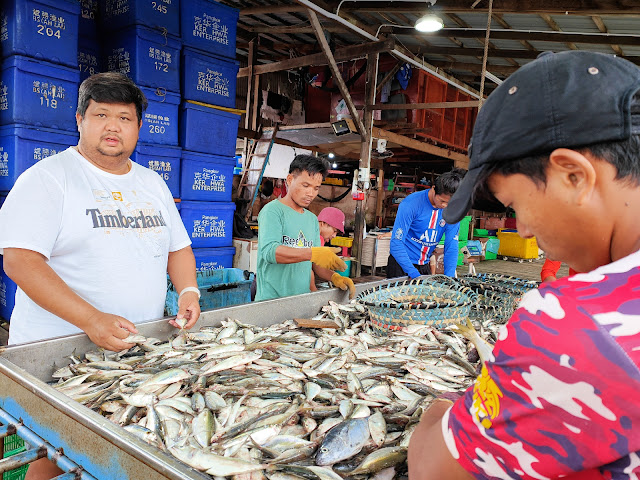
(561, 397)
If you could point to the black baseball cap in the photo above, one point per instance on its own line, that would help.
(560, 100)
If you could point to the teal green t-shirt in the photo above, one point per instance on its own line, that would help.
(278, 225)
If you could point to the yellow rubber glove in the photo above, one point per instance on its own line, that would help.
(326, 257)
(343, 283)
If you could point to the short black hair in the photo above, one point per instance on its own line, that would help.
(447, 183)
(310, 164)
(110, 87)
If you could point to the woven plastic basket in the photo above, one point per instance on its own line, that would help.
(424, 301)
(498, 296)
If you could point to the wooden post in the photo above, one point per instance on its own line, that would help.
(365, 157)
(253, 86)
(337, 76)
(247, 114)
(380, 198)
(251, 61)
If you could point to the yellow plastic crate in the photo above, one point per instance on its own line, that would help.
(513, 245)
(342, 241)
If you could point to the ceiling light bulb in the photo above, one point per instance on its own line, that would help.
(334, 165)
(331, 155)
(429, 23)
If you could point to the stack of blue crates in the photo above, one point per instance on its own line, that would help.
(208, 134)
(38, 92)
(142, 40)
(89, 54)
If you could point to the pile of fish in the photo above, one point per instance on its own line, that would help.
(283, 402)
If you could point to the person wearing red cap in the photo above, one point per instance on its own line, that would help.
(331, 222)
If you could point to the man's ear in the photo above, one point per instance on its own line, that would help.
(78, 120)
(574, 171)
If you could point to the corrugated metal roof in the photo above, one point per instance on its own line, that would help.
(472, 18)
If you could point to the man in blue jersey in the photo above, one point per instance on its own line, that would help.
(419, 226)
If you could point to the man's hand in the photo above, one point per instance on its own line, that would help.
(343, 283)
(326, 257)
(108, 331)
(188, 309)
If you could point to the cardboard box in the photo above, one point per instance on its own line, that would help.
(438, 253)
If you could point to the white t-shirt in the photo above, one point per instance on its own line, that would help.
(107, 236)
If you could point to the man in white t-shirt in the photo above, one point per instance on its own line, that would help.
(88, 236)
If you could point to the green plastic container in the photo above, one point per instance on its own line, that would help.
(461, 245)
(464, 228)
(347, 271)
(463, 234)
(491, 250)
(13, 445)
(480, 232)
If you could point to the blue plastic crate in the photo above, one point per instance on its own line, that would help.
(162, 159)
(206, 177)
(213, 258)
(160, 15)
(21, 146)
(89, 57)
(474, 247)
(209, 224)
(88, 24)
(218, 288)
(209, 26)
(42, 29)
(207, 129)
(146, 56)
(160, 120)
(7, 294)
(209, 79)
(38, 93)
(179, 206)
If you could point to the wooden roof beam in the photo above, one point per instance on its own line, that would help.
(464, 24)
(337, 75)
(554, 36)
(551, 22)
(570, 7)
(499, 53)
(603, 29)
(475, 67)
(340, 55)
(292, 29)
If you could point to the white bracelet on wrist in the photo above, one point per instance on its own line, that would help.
(190, 289)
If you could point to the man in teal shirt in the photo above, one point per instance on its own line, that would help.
(289, 237)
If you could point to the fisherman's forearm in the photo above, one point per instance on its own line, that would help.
(428, 456)
(292, 255)
(31, 272)
(181, 267)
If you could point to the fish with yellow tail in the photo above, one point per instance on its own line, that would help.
(484, 348)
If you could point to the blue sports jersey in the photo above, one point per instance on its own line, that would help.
(418, 228)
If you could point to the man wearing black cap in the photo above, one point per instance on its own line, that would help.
(559, 142)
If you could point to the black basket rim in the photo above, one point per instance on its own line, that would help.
(466, 291)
